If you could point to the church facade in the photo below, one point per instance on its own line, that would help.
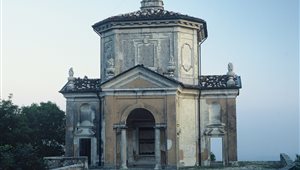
(151, 107)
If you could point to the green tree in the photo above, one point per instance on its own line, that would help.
(7, 160)
(27, 158)
(22, 156)
(29, 133)
(13, 125)
(47, 122)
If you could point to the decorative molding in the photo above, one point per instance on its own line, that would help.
(108, 49)
(220, 93)
(171, 66)
(160, 125)
(127, 110)
(217, 130)
(109, 59)
(186, 57)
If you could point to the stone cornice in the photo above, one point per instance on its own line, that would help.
(220, 93)
(148, 24)
(79, 96)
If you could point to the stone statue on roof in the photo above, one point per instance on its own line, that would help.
(230, 67)
(230, 70)
(231, 75)
(71, 75)
(71, 72)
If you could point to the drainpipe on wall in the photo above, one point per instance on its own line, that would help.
(100, 127)
(199, 97)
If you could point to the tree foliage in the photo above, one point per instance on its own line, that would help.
(13, 124)
(47, 123)
(29, 133)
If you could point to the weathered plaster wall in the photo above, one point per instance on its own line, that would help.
(187, 129)
(204, 119)
(171, 135)
(231, 130)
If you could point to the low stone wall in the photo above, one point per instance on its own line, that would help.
(243, 165)
(261, 164)
(248, 165)
(67, 163)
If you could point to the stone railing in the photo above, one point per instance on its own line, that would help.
(286, 161)
(64, 163)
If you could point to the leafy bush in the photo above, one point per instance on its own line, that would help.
(212, 157)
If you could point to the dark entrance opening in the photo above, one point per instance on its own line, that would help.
(85, 148)
(146, 141)
(141, 137)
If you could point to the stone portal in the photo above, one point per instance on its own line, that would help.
(141, 138)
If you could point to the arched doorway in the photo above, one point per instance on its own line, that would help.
(141, 138)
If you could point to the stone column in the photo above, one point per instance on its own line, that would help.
(93, 151)
(157, 145)
(115, 127)
(123, 148)
(76, 146)
(157, 149)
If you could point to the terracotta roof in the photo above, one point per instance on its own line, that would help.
(83, 85)
(218, 82)
(150, 14)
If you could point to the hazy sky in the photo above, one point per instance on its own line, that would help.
(42, 39)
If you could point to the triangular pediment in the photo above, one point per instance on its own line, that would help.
(139, 77)
(140, 81)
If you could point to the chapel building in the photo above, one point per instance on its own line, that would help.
(151, 107)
